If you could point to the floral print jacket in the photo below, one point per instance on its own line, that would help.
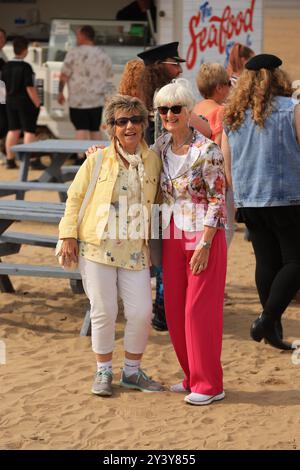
(196, 197)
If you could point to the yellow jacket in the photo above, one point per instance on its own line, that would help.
(94, 220)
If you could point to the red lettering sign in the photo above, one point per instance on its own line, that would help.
(219, 30)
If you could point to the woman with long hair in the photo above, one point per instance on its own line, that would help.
(239, 55)
(262, 156)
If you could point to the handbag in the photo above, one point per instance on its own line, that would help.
(73, 266)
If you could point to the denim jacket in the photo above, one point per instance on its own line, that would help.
(265, 163)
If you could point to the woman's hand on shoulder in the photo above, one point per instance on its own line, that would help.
(94, 149)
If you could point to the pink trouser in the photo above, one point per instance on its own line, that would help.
(194, 311)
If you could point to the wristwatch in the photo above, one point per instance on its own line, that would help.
(205, 244)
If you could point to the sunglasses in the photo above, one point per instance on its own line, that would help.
(174, 109)
(171, 63)
(123, 121)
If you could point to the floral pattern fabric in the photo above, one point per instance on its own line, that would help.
(89, 70)
(196, 197)
(126, 252)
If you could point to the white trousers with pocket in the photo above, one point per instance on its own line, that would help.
(102, 284)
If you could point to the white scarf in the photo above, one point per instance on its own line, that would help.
(135, 163)
(136, 172)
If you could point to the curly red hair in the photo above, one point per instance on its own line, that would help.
(131, 80)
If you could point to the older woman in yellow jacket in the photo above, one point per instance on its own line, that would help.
(113, 251)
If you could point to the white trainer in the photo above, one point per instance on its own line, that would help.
(200, 399)
(177, 388)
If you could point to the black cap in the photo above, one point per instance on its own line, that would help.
(159, 53)
(263, 61)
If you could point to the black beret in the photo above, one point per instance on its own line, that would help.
(160, 53)
(263, 61)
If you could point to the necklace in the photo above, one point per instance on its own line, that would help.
(183, 143)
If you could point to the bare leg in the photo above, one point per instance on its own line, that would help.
(95, 135)
(133, 357)
(29, 137)
(12, 138)
(104, 357)
(82, 134)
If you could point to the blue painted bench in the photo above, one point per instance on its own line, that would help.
(20, 187)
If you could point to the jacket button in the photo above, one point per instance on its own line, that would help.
(148, 201)
(147, 181)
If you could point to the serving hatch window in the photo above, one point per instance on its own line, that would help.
(121, 40)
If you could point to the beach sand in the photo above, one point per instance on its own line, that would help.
(45, 399)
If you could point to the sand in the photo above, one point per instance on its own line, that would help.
(45, 399)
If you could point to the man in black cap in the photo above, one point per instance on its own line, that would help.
(162, 64)
(166, 54)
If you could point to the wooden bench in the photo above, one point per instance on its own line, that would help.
(13, 269)
(20, 187)
(69, 172)
(47, 241)
(11, 242)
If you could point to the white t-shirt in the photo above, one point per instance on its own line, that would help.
(175, 162)
(88, 69)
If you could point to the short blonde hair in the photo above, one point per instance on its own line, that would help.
(209, 77)
(125, 103)
(178, 92)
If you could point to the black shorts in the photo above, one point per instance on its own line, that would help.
(3, 121)
(22, 116)
(87, 119)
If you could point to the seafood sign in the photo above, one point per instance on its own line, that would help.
(216, 26)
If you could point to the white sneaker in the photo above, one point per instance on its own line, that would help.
(177, 388)
(200, 399)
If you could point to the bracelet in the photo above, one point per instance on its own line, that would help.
(205, 244)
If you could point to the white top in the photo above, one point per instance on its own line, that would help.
(175, 163)
(88, 69)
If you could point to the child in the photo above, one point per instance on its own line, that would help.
(22, 101)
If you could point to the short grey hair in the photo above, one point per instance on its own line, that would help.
(178, 92)
(125, 103)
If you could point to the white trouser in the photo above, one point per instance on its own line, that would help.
(229, 232)
(102, 284)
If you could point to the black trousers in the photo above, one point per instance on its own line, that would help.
(275, 236)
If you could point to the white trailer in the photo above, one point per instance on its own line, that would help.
(206, 31)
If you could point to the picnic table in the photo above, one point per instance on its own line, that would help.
(11, 242)
(58, 150)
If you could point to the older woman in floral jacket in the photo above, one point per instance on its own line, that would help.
(194, 246)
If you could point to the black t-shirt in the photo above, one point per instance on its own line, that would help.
(2, 63)
(17, 75)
